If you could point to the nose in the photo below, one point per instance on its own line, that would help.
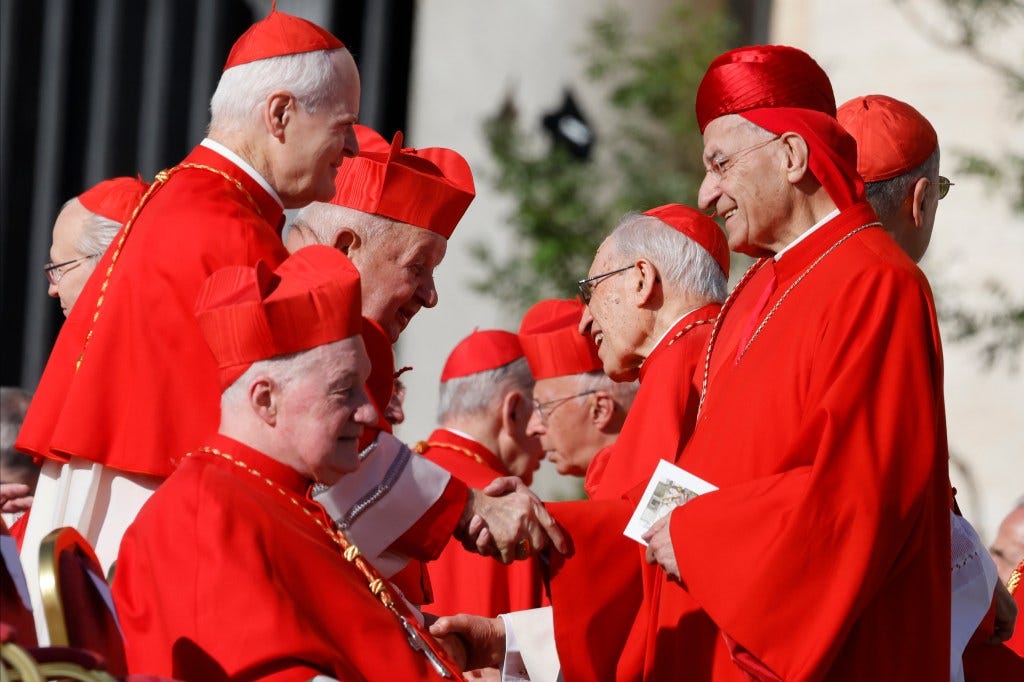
(51, 291)
(586, 321)
(365, 413)
(709, 192)
(535, 427)
(428, 293)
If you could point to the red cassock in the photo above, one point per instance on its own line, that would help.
(984, 662)
(147, 385)
(224, 575)
(825, 553)
(464, 582)
(597, 594)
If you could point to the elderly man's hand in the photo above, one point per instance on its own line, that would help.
(659, 546)
(484, 638)
(14, 497)
(507, 520)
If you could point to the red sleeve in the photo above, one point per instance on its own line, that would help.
(842, 552)
(427, 537)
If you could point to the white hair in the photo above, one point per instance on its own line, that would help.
(282, 369)
(96, 234)
(622, 392)
(309, 76)
(682, 263)
(327, 220)
(482, 392)
(887, 196)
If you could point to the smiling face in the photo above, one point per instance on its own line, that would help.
(744, 184)
(67, 230)
(314, 144)
(322, 411)
(397, 269)
(610, 317)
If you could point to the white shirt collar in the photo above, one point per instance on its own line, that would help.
(243, 164)
(667, 330)
(813, 227)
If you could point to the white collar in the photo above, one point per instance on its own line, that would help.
(800, 238)
(243, 164)
(667, 330)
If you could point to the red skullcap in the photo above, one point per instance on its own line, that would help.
(429, 188)
(892, 136)
(698, 227)
(248, 314)
(782, 89)
(114, 199)
(277, 35)
(481, 351)
(552, 343)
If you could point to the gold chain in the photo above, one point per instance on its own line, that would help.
(743, 281)
(158, 181)
(351, 553)
(1015, 577)
(695, 323)
(422, 446)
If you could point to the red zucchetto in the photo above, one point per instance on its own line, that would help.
(250, 314)
(114, 199)
(429, 188)
(481, 351)
(782, 89)
(552, 343)
(892, 136)
(698, 227)
(277, 35)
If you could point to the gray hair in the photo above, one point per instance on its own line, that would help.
(482, 392)
(96, 235)
(683, 264)
(887, 196)
(622, 392)
(282, 369)
(309, 76)
(326, 220)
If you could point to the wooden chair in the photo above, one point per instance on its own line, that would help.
(77, 601)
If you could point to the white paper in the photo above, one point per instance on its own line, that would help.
(668, 488)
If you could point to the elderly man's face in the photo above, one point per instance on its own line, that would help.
(744, 184)
(315, 144)
(322, 411)
(397, 271)
(563, 426)
(610, 316)
(1008, 547)
(71, 278)
(518, 448)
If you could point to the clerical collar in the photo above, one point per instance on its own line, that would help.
(463, 434)
(244, 165)
(804, 235)
(669, 329)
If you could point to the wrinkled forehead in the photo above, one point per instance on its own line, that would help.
(606, 253)
(728, 132)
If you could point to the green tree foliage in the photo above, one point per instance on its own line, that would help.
(970, 26)
(562, 207)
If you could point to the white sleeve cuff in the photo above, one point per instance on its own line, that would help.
(530, 652)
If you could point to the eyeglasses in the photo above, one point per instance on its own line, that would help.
(54, 271)
(721, 163)
(944, 185)
(540, 408)
(588, 285)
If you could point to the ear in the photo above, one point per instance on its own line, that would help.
(347, 240)
(646, 281)
(919, 207)
(277, 112)
(263, 397)
(795, 156)
(511, 409)
(602, 409)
